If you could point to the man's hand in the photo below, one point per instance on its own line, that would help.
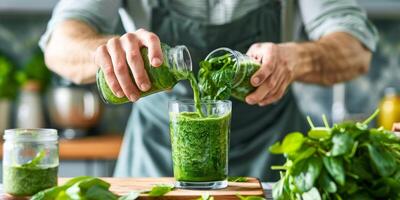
(275, 74)
(122, 54)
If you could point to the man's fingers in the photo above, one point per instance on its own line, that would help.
(268, 64)
(121, 69)
(275, 94)
(258, 94)
(103, 60)
(135, 62)
(152, 42)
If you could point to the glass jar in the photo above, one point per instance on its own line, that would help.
(177, 65)
(30, 160)
(389, 108)
(200, 143)
(244, 67)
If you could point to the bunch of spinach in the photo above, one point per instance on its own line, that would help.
(346, 161)
(92, 188)
(215, 78)
(8, 79)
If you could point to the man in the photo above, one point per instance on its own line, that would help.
(81, 38)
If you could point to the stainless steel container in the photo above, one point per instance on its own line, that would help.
(74, 109)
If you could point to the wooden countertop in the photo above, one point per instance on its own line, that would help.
(104, 147)
(122, 186)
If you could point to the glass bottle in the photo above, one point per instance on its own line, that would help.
(30, 160)
(389, 108)
(244, 68)
(177, 65)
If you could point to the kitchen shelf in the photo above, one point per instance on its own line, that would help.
(104, 147)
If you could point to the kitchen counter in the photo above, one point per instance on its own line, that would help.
(122, 186)
(104, 147)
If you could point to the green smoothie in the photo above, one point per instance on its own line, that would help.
(27, 181)
(199, 146)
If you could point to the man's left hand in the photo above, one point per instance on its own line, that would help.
(276, 73)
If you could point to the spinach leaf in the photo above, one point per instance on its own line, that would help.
(206, 196)
(249, 197)
(237, 179)
(130, 196)
(97, 192)
(342, 144)
(383, 161)
(291, 143)
(54, 192)
(160, 190)
(326, 183)
(335, 168)
(36, 160)
(305, 173)
(320, 133)
(312, 194)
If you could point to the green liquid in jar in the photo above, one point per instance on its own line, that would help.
(27, 181)
(162, 78)
(199, 146)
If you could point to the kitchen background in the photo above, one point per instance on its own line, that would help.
(31, 95)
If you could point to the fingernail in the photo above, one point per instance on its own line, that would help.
(250, 101)
(256, 80)
(156, 61)
(144, 86)
(133, 98)
(120, 94)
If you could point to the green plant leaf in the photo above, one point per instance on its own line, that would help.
(160, 190)
(237, 179)
(305, 173)
(304, 154)
(205, 196)
(312, 194)
(342, 144)
(36, 160)
(383, 161)
(130, 196)
(320, 133)
(326, 182)
(291, 143)
(98, 192)
(335, 168)
(249, 197)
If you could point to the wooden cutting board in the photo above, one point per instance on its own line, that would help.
(123, 186)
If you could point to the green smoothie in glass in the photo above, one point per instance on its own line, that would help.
(200, 143)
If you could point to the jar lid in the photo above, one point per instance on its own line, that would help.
(31, 135)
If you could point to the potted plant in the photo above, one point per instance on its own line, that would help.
(8, 90)
(34, 78)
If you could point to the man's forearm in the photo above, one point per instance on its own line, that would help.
(70, 51)
(336, 57)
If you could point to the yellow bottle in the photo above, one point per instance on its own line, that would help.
(389, 109)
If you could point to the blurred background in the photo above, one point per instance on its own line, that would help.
(32, 96)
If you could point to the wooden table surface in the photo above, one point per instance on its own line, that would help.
(123, 186)
(103, 147)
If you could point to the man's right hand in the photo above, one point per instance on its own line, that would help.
(121, 54)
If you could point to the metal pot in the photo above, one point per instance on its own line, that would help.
(74, 109)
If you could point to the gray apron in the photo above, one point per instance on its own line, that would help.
(146, 149)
